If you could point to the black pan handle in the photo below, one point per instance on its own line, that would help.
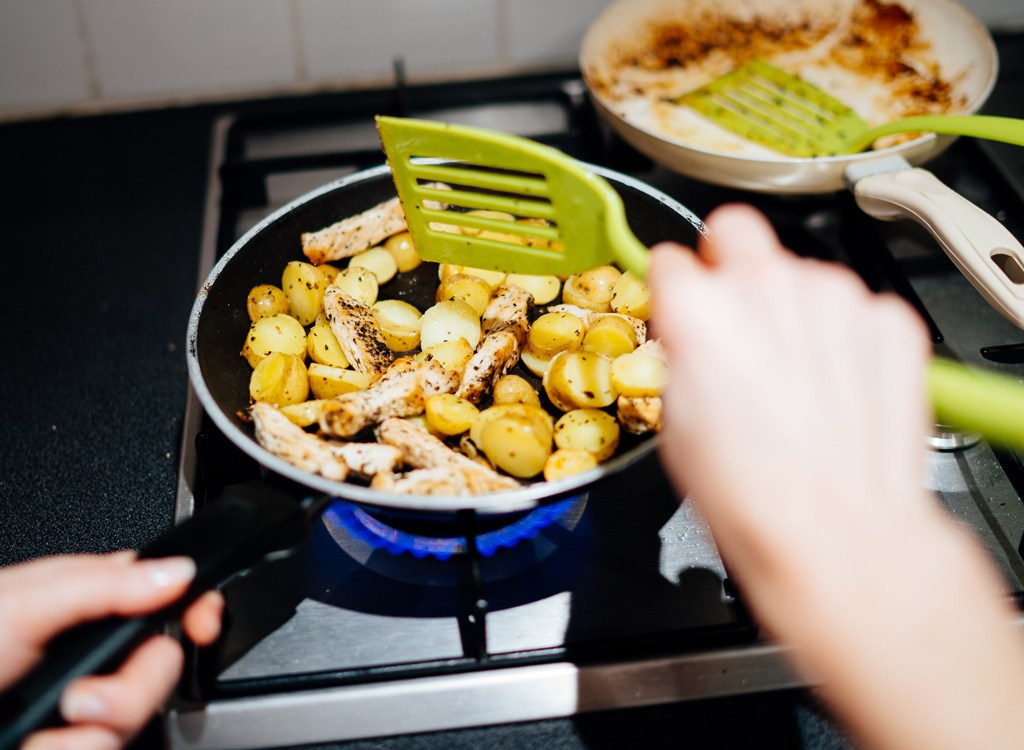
(232, 534)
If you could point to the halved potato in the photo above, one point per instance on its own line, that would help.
(359, 284)
(592, 430)
(542, 421)
(610, 335)
(514, 389)
(516, 444)
(327, 382)
(452, 355)
(449, 320)
(265, 300)
(494, 279)
(449, 414)
(639, 374)
(472, 290)
(591, 289)
(565, 462)
(543, 288)
(274, 333)
(322, 346)
(579, 380)
(555, 332)
(399, 323)
(534, 362)
(304, 285)
(631, 296)
(308, 413)
(403, 251)
(279, 379)
(377, 260)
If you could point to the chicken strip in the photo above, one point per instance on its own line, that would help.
(421, 450)
(355, 234)
(332, 460)
(442, 480)
(495, 356)
(505, 323)
(401, 392)
(358, 333)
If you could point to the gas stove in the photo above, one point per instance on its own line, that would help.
(377, 626)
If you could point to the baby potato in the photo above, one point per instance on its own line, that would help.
(639, 374)
(399, 324)
(592, 430)
(449, 414)
(555, 332)
(403, 251)
(591, 289)
(265, 300)
(274, 333)
(327, 381)
(578, 380)
(377, 260)
(543, 288)
(304, 286)
(631, 296)
(358, 283)
(452, 355)
(514, 389)
(610, 335)
(515, 445)
(330, 272)
(543, 422)
(309, 412)
(279, 379)
(472, 290)
(485, 214)
(565, 462)
(493, 279)
(534, 362)
(449, 320)
(322, 346)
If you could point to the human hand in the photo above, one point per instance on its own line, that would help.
(42, 598)
(795, 418)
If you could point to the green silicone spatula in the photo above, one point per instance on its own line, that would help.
(517, 205)
(769, 106)
(584, 218)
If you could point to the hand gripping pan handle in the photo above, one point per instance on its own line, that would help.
(232, 534)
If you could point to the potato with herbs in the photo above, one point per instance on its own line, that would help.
(279, 379)
(579, 379)
(304, 285)
(592, 430)
(274, 333)
(265, 300)
(591, 289)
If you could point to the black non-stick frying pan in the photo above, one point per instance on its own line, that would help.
(240, 528)
(219, 323)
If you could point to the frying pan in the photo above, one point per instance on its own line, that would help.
(219, 323)
(886, 182)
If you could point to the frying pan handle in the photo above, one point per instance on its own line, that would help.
(983, 249)
(230, 535)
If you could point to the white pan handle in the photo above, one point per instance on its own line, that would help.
(981, 247)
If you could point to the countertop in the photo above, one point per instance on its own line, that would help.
(102, 216)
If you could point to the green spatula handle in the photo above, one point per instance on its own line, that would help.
(982, 401)
(1003, 129)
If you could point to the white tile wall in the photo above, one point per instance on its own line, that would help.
(94, 55)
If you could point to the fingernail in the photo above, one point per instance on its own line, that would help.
(82, 705)
(169, 571)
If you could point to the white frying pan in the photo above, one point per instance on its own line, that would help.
(885, 182)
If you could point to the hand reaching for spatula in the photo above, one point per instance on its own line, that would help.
(795, 417)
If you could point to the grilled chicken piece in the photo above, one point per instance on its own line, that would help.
(495, 356)
(401, 392)
(421, 450)
(335, 461)
(358, 333)
(505, 323)
(442, 480)
(639, 415)
(589, 316)
(642, 415)
(351, 236)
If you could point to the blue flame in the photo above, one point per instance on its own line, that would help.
(378, 535)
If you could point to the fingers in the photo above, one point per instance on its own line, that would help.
(74, 738)
(44, 597)
(202, 620)
(738, 234)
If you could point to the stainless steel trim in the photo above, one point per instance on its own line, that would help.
(498, 696)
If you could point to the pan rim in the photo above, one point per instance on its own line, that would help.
(508, 501)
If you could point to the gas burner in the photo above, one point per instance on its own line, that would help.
(417, 549)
